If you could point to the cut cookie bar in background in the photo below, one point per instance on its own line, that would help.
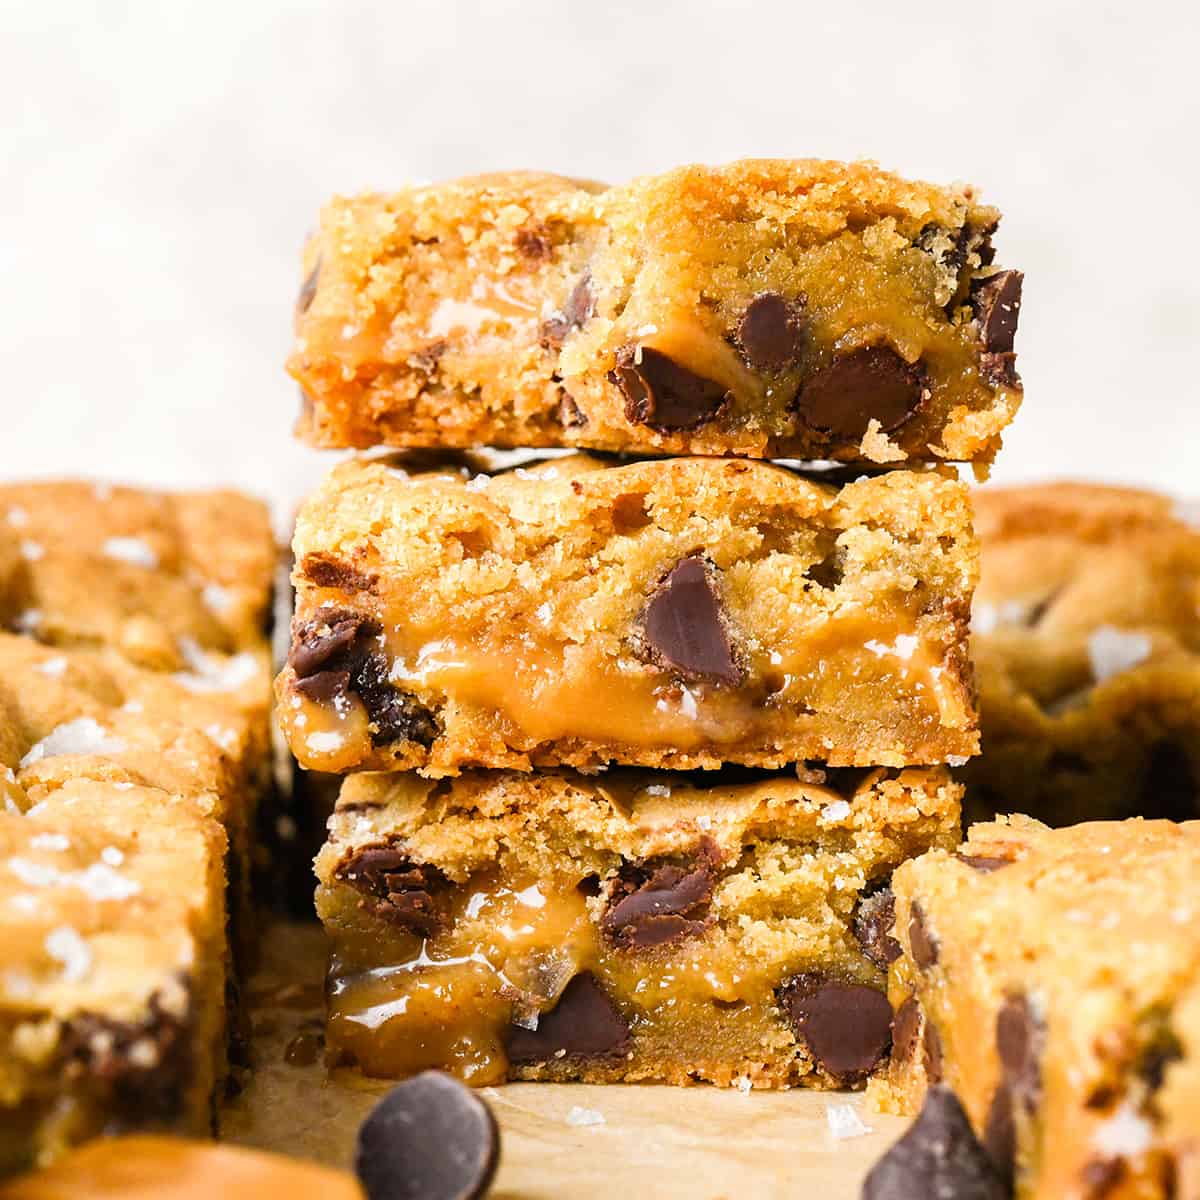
(113, 967)
(727, 927)
(1049, 977)
(812, 310)
(1087, 652)
(668, 613)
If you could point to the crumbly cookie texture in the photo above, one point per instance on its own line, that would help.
(1049, 977)
(112, 967)
(670, 613)
(1087, 652)
(165, 578)
(721, 927)
(805, 309)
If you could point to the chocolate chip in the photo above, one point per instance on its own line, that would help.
(873, 383)
(1101, 1175)
(1019, 1038)
(931, 1052)
(939, 1158)
(846, 1027)
(394, 715)
(923, 944)
(906, 1029)
(325, 686)
(584, 1025)
(399, 891)
(1000, 1132)
(772, 332)
(662, 394)
(579, 308)
(683, 626)
(308, 289)
(996, 301)
(981, 862)
(570, 415)
(326, 571)
(873, 928)
(534, 243)
(322, 639)
(430, 1138)
(648, 907)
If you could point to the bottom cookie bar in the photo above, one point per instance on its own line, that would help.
(722, 926)
(1051, 978)
(113, 967)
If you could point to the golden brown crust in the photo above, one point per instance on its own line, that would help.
(504, 310)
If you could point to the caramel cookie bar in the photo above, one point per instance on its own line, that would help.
(673, 613)
(1087, 652)
(722, 927)
(773, 309)
(165, 578)
(112, 967)
(1049, 978)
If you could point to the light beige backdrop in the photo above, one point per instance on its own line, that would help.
(163, 161)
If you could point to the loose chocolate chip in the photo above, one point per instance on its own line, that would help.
(873, 928)
(996, 301)
(939, 1158)
(981, 862)
(683, 626)
(906, 1028)
(430, 1138)
(324, 686)
(399, 891)
(579, 308)
(649, 908)
(1019, 1038)
(318, 641)
(662, 394)
(772, 332)
(846, 1027)
(923, 944)
(873, 383)
(584, 1025)
(308, 289)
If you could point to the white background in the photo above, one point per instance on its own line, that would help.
(164, 160)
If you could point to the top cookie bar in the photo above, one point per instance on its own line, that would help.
(806, 309)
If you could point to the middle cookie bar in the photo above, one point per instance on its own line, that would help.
(729, 927)
(670, 613)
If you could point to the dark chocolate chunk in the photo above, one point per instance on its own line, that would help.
(939, 1158)
(662, 394)
(923, 944)
(570, 415)
(906, 1029)
(772, 332)
(308, 289)
(683, 626)
(430, 1138)
(315, 643)
(399, 891)
(984, 863)
(395, 716)
(931, 1052)
(873, 927)
(648, 907)
(846, 1027)
(996, 301)
(584, 1025)
(579, 308)
(1019, 1038)
(873, 383)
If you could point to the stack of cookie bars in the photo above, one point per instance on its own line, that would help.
(635, 736)
(134, 754)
